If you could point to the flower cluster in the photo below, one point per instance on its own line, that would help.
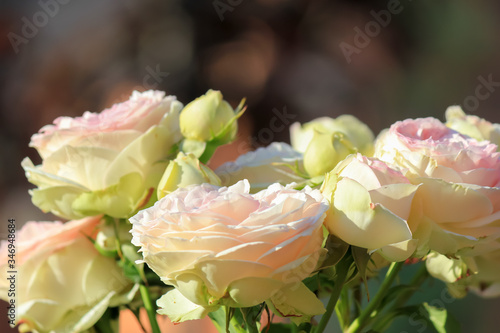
(277, 231)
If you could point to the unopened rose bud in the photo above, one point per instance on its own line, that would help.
(183, 171)
(360, 135)
(325, 151)
(209, 118)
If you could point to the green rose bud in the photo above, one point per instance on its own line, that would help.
(183, 171)
(325, 151)
(359, 135)
(210, 118)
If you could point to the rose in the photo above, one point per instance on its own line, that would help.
(107, 163)
(185, 170)
(473, 126)
(263, 167)
(224, 246)
(370, 205)
(476, 270)
(459, 197)
(209, 118)
(352, 129)
(479, 274)
(325, 151)
(63, 283)
(486, 282)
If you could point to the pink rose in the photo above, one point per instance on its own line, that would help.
(41, 237)
(224, 246)
(104, 163)
(370, 206)
(63, 284)
(450, 156)
(459, 197)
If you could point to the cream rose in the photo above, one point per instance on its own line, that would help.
(459, 197)
(224, 246)
(263, 167)
(479, 274)
(473, 126)
(476, 270)
(370, 205)
(104, 163)
(63, 283)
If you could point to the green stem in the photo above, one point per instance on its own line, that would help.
(209, 151)
(401, 299)
(417, 281)
(337, 288)
(149, 308)
(343, 309)
(357, 296)
(117, 236)
(363, 318)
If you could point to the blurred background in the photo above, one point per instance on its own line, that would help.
(293, 60)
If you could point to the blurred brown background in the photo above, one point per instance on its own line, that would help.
(379, 60)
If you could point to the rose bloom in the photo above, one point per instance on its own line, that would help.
(459, 197)
(479, 274)
(104, 163)
(224, 246)
(63, 284)
(263, 167)
(370, 206)
(473, 126)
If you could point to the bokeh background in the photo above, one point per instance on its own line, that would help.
(295, 58)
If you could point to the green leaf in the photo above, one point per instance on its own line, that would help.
(130, 271)
(423, 315)
(218, 319)
(133, 271)
(395, 291)
(312, 282)
(361, 259)
(251, 317)
(337, 249)
(280, 328)
(441, 319)
(229, 318)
